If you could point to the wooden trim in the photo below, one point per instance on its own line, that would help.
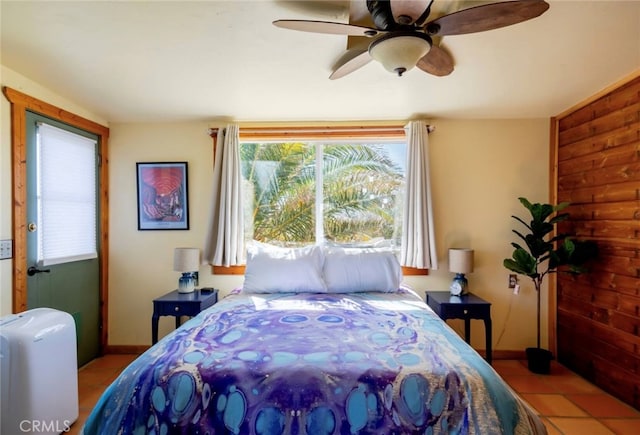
(321, 132)
(239, 270)
(503, 354)
(19, 172)
(413, 271)
(623, 81)
(20, 103)
(35, 105)
(552, 293)
(227, 270)
(124, 349)
(509, 354)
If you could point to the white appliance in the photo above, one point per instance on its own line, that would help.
(39, 372)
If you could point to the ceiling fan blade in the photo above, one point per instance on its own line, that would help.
(351, 63)
(436, 62)
(409, 11)
(326, 27)
(487, 17)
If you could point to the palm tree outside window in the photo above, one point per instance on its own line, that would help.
(347, 185)
(298, 193)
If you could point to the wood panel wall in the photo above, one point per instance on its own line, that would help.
(598, 172)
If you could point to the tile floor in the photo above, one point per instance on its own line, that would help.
(568, 404)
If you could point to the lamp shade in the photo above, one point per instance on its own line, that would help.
(461, 260)
(400, 51)
(186, 259)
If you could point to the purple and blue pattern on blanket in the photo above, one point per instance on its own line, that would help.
(365, 363)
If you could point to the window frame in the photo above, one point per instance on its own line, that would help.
(313, 133)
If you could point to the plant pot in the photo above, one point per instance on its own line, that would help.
(539, 360)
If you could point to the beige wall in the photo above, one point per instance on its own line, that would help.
(479, 167)
(141, 262)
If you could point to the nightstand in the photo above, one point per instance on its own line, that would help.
(465, 307)
(180, 304)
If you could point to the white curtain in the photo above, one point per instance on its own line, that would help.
(418, 240)
(224, 242)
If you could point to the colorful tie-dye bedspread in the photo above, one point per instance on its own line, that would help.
(357, 363)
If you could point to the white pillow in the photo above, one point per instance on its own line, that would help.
(360, 270)
(271, 269)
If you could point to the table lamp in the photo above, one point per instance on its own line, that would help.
(187, 261)
(460, 262)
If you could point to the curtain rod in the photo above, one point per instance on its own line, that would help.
(288, 131)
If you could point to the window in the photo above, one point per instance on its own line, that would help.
(346, 185)
(66, 196)
(335, 192)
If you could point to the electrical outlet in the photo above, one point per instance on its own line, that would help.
(6, 249)
(513, 280)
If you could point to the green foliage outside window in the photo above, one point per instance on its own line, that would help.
(362, 191)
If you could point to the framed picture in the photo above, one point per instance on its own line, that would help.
(162, 196)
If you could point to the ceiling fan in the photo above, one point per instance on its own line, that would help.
(402, 37)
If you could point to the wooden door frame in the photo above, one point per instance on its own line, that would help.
(20, 104)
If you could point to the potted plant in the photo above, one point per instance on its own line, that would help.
(544, 253)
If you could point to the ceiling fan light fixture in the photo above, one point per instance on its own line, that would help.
(398, 52)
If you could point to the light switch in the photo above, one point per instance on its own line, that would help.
(6, 249)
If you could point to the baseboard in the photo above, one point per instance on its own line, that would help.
(509, 354)
(504, 354)
(125, 349)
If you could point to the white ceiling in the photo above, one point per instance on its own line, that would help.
(206, 60)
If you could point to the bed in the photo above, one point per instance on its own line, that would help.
(274, 361)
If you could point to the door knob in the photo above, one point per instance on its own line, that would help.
(33, 270)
